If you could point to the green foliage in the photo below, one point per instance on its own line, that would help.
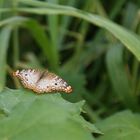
(93, 45)
(123, 126)
(119, 78)
(4, 39)
(132, 41)
(29, 116)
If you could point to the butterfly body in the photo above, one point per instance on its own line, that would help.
(42, 81)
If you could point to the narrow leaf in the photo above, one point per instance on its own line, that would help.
(119, 78)
(4, 41)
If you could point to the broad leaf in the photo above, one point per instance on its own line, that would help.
(121, 126)
(34, 117)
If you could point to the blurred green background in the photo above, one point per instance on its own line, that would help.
(94, 45)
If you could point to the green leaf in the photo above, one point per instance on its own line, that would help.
(53, 23)
(121, 126)
(15, 20)
(119, 78)
(4, 41)
(43, 41)
(129, 39)
(34, 117)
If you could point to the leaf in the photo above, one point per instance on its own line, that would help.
(15, 20)
(121, 126)
(4, 41)
(33, 117)
(129, 39)
(53, 23)
(39, 35)
(43, 41)
(119, 77)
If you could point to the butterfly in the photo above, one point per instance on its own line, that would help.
(42, 81)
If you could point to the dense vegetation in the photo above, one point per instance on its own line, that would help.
(94, 45)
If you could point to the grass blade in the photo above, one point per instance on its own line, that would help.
(43, 41)
(4, 41)
(118, 75)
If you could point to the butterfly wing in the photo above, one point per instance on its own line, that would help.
(45, 84)
(50, 82)
(28, 77)
(42, 81)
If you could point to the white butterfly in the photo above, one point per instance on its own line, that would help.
(42, 81)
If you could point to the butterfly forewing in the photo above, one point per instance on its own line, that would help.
(51, 83)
